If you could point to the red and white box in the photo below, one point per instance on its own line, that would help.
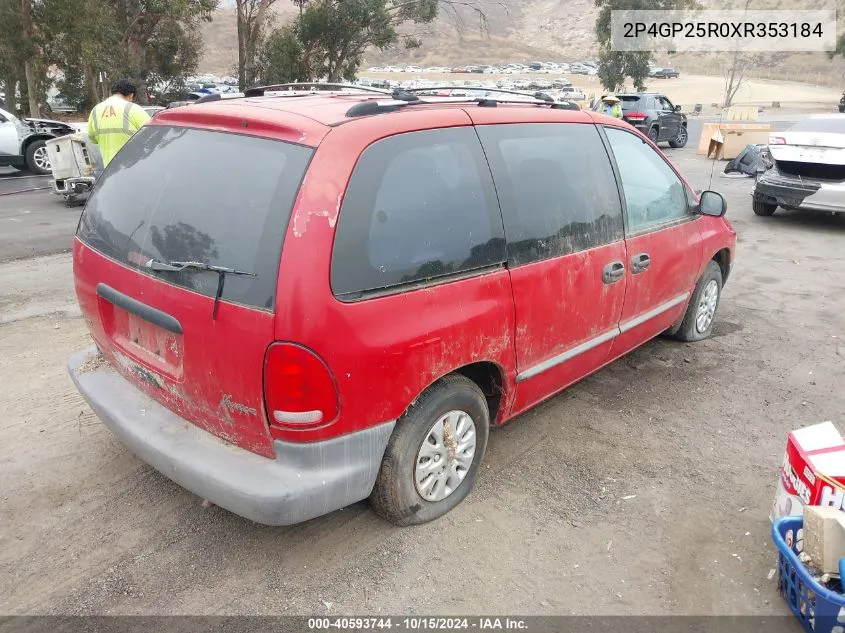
(813, 471)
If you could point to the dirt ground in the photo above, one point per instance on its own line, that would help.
(695, 431)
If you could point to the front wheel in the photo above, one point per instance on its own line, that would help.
(698, 319)
(433, 456)
(681, 139)
(37, 159)
(763, 208)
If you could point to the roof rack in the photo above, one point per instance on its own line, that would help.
(407, 98)
(311, 87)
(538, 95)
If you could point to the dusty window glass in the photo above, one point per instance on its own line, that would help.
(419, 206)
(179, 194)
(654, 195)
(556, 188)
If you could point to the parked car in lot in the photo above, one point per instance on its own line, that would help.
(153, 110)
(380, 281)
(22, 141)
(573, 93)
(842, 103)
(60, 106)
(656, 116)
(666, 73)
(808, 171)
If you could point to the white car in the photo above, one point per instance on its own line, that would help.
(572, 93)
(22, 142)
(808, 171)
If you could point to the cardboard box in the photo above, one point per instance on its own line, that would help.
(732, 142)
(733, 137)
(824, 537)
(742, 113)
(813, 471)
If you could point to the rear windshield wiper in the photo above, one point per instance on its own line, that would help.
(222, 271)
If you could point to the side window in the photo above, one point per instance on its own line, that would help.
(666, 104)
(654, 195)
(418, 206)
(556, 188)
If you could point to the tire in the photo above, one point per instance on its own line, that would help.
(653, 133)
(701, 311)
(763, 208)
(680, 140)
(396, 496)
(37, 160)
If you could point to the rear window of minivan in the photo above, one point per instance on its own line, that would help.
(177, 194)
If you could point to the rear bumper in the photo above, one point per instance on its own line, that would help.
(303, 481)
(805, 193)
(72, 186)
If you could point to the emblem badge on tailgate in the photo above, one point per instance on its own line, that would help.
(236, 407)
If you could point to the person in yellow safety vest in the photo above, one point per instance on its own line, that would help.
(114, 121)
(610, 106)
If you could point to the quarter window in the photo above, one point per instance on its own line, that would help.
(419, 206)
(654, 195)
(556, 188)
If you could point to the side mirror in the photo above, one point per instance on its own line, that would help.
(677, 108)
(712, 204)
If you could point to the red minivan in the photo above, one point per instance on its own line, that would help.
(300, 301)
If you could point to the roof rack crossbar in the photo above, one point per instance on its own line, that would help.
(315, 86)
(366, 108)
(538, 94)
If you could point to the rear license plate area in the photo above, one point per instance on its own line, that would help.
(148, 344)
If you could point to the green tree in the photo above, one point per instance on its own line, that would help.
(82, 40)
(253, 16)
(11, 43)
(20, 61)
(335, 33)
(615, 66)
(149, 28)
(282, 59)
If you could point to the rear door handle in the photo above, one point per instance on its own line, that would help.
(640, 262)
(613, 272)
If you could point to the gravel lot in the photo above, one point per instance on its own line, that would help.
(694, 431)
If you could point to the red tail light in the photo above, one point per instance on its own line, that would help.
(777, 140)
(299, 389)
(636, 116)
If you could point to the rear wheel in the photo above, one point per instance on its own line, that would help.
(698, 319)
(433, 456)
(763, 208)
(681, 139)
(653, 133)
(37, 159)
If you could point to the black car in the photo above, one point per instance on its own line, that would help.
(842, 103)
(656, 117)
(666, 73)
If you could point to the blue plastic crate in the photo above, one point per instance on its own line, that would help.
(818, 609)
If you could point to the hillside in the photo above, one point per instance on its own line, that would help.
(524, 30)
